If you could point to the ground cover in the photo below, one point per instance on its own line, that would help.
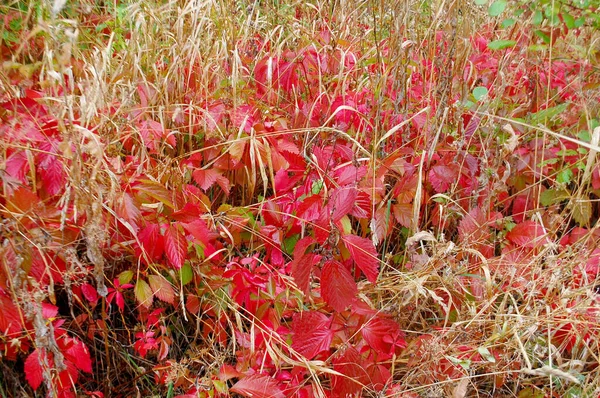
(300, 199)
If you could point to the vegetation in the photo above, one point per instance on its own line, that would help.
(300, 198)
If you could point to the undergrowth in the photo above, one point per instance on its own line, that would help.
(300, 199)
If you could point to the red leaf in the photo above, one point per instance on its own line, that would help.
(349, 174)
(10, 321)
(126, 208)
(381, 223)
(338, 288)
(17, 166)
(49, 311)
(403, 212)
(52, 174)
(79, 355)
(362, 205)
(258, 386)
(312, 333)
(33, 369)
(527, 234)
(175, 246)
(89, 292)
(364, 255)
(301, 269)
(301, 266)
(350, 364)
(382, 335)
(206, 179)
(473, 227)
(442, 177)
(309, 208)
(341, 202)
(162, 288)
(152, 242)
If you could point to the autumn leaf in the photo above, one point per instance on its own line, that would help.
(10, 321)
(527, 234)
(303, 262)
(162, 288)
(175, 246)
(350, 364)
(206, 178)
(380, 224)
(442, 177)
(78, 354)
(152, 243)
(312, 333)
(126, 208)
(33, 369)
(258, 386)
(143, 293)
(382, 334)
(341, 202)
(338, 288)
(364, 255)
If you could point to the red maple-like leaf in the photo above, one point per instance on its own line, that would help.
(301, 269)
(77, 353)
(364, 255)
(303, 262)
(162, 288)
(442, 177)
(175, 246)
(311, 333)
(381, 223)
(206, 178)
(383, 335)
(338, 288)
(52, 174)
(528, 234)
(152, 243)
(350, 364)
(33, 369)
(10, 321)
(309, 208)
(341, 202)
(258, 386)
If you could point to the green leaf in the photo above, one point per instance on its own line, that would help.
(480, 92)
(542, 36)
(508, 22)
(538, 18)
(582, 210)
(553, 196)
(463, 363)
(290, 243)
(143, 293)
(501, 44)
(565, 176)
(584, 135)
(125, 277)
(486, 354)
(547, 114)
(480, 2)
(569, 20)
(497, 8)
(186, 273)
(317, 186)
